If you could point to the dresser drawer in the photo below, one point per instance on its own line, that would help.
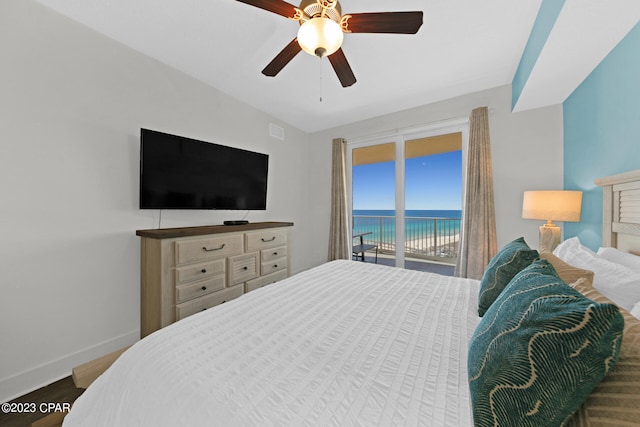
(200, 288)
(200, 271)
(200, 304)
(273, 265)
(274, 253)
(213, 247)
(259, 240)
(243, 268)
(265, 280)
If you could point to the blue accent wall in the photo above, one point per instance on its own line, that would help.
(547, 15)
(602, 132)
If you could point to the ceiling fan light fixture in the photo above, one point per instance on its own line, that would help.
(320, 36)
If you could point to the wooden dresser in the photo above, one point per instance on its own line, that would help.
(187, 270)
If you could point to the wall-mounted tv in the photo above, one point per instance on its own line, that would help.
(184, 173)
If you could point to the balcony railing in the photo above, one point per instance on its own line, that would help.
(425, 238)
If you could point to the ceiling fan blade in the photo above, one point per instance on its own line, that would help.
(383, 22)
(278, 7)
(282, 59)
(342, 68)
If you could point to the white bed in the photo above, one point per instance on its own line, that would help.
(346, 343)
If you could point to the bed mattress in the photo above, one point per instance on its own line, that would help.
(342, 344)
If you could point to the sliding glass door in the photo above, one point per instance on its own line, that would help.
(433, 202)
(406, 197)
(374, 201)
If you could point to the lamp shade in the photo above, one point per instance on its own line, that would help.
(320, 36)
(560, 205)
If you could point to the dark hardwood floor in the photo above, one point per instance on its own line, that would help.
(60, 392)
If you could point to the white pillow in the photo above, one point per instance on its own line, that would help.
(616, 255)
(615, 281)
(574, 249)
(635, 311)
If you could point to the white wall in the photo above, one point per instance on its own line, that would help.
(71, 108)
(526, 151)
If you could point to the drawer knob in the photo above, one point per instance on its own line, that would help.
(204, 270)
(245, 268)
(204, 288)
(204, 309)
(275, 265)
(268, 240)
(204, 248)
(275, 253)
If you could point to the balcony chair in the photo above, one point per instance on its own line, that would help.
(360, 249)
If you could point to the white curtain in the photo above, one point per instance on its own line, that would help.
(478, 239)
(339, 230)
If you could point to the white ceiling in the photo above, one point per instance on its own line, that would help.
(463, 46)
(583, 35)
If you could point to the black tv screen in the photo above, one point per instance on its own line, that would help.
(184, 173)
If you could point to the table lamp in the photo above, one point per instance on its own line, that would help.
(556, 205)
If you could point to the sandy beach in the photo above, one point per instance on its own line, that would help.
(433, 244)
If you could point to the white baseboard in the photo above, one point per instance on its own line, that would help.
(27, 381)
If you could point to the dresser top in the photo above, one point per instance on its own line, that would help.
(168, 233)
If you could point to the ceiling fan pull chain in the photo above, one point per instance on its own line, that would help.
(320, 60)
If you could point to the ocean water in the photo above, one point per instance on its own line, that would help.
(419, 224)
(457, 214)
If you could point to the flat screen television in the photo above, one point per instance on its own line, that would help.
(184, 173)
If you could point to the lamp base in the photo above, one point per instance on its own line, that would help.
(549, 237)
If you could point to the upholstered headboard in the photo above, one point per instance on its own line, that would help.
(621, 211)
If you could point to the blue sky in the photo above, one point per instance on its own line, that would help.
(432, 182)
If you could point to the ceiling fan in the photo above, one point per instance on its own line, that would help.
(322, 26)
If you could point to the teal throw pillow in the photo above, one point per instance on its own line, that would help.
(508, 262)
(539, 351)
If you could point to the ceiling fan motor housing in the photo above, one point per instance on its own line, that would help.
(314, 8)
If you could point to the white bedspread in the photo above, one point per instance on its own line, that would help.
(343, 344)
